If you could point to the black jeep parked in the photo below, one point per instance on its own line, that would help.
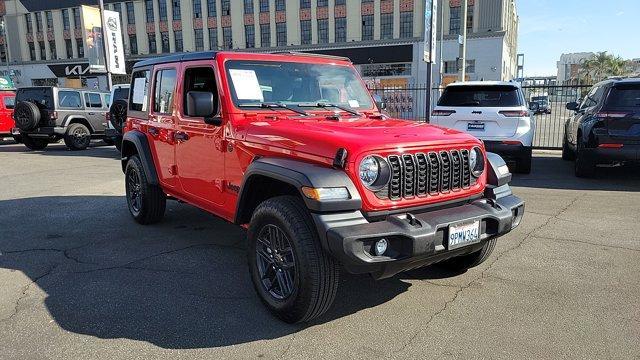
(605, 128)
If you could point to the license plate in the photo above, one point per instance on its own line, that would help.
(475, 126)
(15, 131)
(464, 234)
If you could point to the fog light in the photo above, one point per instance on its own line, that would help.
(381, 247)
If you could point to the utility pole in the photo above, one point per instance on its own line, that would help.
(104, 47)
(463, 47)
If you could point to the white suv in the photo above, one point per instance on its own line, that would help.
(495, 112)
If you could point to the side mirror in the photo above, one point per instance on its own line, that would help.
(379, 103)
(573, 106)
(200, 104)
(534, 106)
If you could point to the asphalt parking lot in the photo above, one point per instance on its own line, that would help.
(80, 280)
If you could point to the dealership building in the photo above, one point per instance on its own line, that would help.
(42, 41)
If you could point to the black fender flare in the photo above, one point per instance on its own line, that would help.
(298, 174)
(77, 119)
(135, 142)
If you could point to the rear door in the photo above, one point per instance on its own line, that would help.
(479, 110)
(622, 112)
(7, 103)
(95, 111)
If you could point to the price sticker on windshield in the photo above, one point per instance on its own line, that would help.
(246, 84)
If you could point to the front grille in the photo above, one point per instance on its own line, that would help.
(427, 174)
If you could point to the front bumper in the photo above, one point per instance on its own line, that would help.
(414, 243)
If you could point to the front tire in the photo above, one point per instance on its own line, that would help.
(77, 137)
(34, 143)
(146, 202)
(465, 262)
(292, 274)
(523, 165)
(567, 153)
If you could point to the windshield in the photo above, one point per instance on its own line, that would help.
(481, 96)
(293, 84)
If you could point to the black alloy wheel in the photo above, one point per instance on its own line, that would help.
(134, 190)
(77, 137)
(276, 262)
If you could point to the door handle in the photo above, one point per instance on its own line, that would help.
(153, 131)
(181, 136)
(91, 113)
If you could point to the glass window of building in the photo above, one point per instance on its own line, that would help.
(341, 29)
(305, 31)
(28, 21)
(76, 18)
(52, 49)
(281, 5)
(386, 26)
(68, 48)
(323, 3)
(133, 44)
(211, 8)
(341, 2)
(43, 51)
(131, 16)
(80, 46)
(164, 38)
(406, 24)
(250, 36)
(367, 27)
(227, 39)
(248, 6)
(264, 6)
(175, 8)
(49, 18)
(32, 51)
(148, 8)
(198, 39)
(265, 35)
(226, 7)
(197, 9)
(455, 15)
(153, 47)
(162, 10)
(65, 19)
(38, 21)
(305, 4)
(177, 37)
(213, 39)
(323, 31)
(281, 34)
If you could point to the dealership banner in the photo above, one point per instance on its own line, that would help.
(430, 30)
(115, 47)
(92, 33)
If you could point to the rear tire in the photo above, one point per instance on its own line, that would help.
(584, 167)
(523, 165)
(77, 137)
(464, 262)
(296, 294)
(34, 143)
(146, 202)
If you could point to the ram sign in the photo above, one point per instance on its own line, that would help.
(115, 47)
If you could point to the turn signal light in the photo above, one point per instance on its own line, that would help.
(514, 113)
(320, 194)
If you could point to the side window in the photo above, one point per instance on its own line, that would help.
(164, 90)
(202, 79)
(589, 100)
(138, 98)
(9, 102)
(69, 99)
(107, 99)
(92, 100)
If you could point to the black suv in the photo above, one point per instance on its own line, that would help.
(47, 114)
(605, 128)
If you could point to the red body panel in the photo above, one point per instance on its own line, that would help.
(6, 115)
(208, 169)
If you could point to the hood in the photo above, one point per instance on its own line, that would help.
(322, 137)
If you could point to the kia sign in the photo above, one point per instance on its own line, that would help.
(430, 11)
(113, 40)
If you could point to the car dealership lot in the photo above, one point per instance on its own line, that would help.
(79, 279)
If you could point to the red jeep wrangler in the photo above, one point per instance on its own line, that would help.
(293, 147)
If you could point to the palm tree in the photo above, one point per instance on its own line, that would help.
(601, 66)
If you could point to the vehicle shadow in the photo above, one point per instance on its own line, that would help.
(97, 149)
(551, 172)
(179, 284)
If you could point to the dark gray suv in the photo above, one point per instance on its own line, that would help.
(47, 114)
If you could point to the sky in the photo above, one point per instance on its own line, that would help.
(549, 28)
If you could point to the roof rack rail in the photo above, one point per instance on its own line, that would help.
(300, 53)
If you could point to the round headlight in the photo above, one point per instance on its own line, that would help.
(476, 162)
(369, 170)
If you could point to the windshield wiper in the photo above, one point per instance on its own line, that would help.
(324, 105)
(273, 106)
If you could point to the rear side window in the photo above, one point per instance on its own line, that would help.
(92, 100)
(9, 102)
(481, 96)
(41, 96)
(165, 84)
(627, 96)
(139, 96)
(69, 99)
(120, 93)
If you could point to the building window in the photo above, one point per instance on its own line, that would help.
(118, 8)
(175, 8)
(213, 39)
(456, 15)
(227, 39)
(162, 9)
(3, 54)
(133, 44)
(281, 34)
(65, 19)
(305, 4)
(38, 21)
(265, 35)
(264, 6)
(76, 18)
(367, 1)
(305, 31)
(43, 51)
(32, 51)
(199, 39)
(341, 29)
(197, 9)
(323, 3)
(226, 7)
(27, 18)
(164, 38)
(386, 26)
(406, 24)
(281, 5)
(49, 18)
(248, 6)
(52, 49)
(471, 66)
(367, 27)
(340, 2)
(68, 48)
(177, 37)
(131, 17)
(323, 31)
(250, 36)
(80, 46)
(450, 67)
(148, 8)
(153, 48)
(211, 8)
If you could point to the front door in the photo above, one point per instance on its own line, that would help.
(199, 146)
(162, 121)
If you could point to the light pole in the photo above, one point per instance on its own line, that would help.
(463, 47)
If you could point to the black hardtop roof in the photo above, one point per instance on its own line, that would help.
(201, 55)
